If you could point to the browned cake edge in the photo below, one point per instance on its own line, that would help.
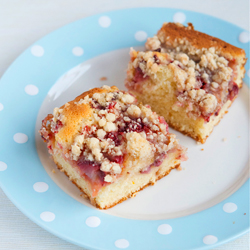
(199, 40)
(74, 114)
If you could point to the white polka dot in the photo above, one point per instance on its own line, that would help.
(122, 243)
(1, 106)
(37, 50)
(77, 51)
(3, 166)
(164, 229)
(230, 207)
(104, 21)
(47, 216)
(210, 239)
(179, 17)
(93, 221)
(141, 36)
(20, 138)
(244, 37)
(248, 73)
(31, 89)
(41, 187)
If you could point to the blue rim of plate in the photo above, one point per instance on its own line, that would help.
(20, 166)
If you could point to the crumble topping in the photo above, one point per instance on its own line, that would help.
(138, 146)
(153, 43)
(117, 127)
(133, 111)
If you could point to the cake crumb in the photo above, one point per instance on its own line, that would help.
(233, 222)
(244, 213)
(83, 195)
(134, 194)
(224, 139)
(239, 136)
(179, 168)
(199, 143)
(103, 78)
(202, 149)
(226, 112)
(53, 171)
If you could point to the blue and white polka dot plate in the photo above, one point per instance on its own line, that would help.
(200, 207)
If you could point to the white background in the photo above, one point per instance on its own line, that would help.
(22, 22)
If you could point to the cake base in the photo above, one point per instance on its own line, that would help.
(215, 120)
(127, 185)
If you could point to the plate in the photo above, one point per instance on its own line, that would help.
(204, 205)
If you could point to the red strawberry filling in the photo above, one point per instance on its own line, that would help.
(91, 171)
(158, 161)
(139, 76)
(233, 90)
(58, 126)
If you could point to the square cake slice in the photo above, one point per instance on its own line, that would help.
(110, 146)
(188, 77)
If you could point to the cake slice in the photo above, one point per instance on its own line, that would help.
(110, 146)
(188, 77)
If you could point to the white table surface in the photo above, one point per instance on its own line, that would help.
(22, 22)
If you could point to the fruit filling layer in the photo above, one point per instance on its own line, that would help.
(204, 83)
(116, 129)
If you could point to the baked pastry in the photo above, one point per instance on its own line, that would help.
(188, 77)
(109, 146)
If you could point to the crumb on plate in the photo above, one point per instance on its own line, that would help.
(103, 78)
(179, 168)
